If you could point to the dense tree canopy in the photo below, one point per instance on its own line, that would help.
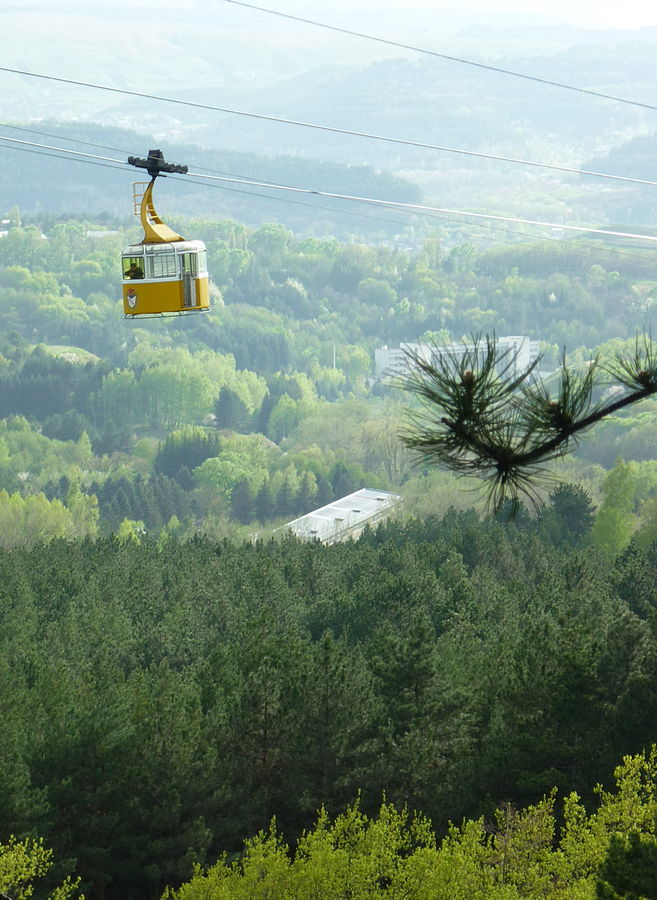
(162, 701)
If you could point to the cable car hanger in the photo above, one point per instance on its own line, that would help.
(155, 230)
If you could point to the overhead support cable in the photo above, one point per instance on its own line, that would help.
(372, 201)
(418, 207)
(120, 166)
(458, 59)
(334, 129)
(61, 150)
(61, 137)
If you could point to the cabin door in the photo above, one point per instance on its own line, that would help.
(189, 279)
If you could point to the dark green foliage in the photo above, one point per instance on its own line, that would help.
(285, 499)
(345, 479)
(569, 517)
(324, 491)
(629, 871)
(188, 447)
(307, 498)
(47, 386)
(150, 500)
(67, 426)
(243, 502)
(265, 504)
(256, 347)
(230, 411)
(163, 700)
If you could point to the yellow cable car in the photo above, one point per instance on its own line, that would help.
(164, 275)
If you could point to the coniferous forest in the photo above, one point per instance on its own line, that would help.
(161, 702)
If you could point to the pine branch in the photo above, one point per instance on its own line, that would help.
(479, 415)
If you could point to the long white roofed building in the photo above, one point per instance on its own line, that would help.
(345, 518)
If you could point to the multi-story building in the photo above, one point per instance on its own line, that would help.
(394, 361)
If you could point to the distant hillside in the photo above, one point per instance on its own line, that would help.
(37, 183)
(634, 159)
(260, 64)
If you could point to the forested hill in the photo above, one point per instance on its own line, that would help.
(266, 408)
(46, 185)
(635, 159)
(160, 703)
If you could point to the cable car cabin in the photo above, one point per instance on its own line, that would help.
(163, 279)
(164, 275)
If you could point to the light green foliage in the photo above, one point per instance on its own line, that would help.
(383, 451)
(378, 292)
(270, 241)
(335, 427)
(615, 520)
(222, 472)
(25, 521)
(176, 391)
(249, 387)
(84, 512)
(253, 448)
(328, 381)
(119, 399)
(395, 855)
(5, 455)
(283, 418)
(629, 436)
(350, 857)
(227, 263)
(241, 458)
(354, 361)
(21, 278)
(42, 459)
(436, 492)
(146, 449)
(83, 449)
(172, 387)
(647, 528)
(21, 862)
(130, 531)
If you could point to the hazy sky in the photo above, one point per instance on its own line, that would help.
(582, 13)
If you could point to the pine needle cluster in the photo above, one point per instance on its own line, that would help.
(480, 414)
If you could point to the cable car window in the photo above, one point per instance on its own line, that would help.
(202, 258)
(162, 265)
(189, 264)
(133, 267)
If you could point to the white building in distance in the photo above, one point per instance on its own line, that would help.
(393, 361)
(345, 518)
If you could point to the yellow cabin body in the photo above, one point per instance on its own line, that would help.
(161, 279)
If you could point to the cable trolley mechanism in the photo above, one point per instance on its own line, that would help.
(164, 275)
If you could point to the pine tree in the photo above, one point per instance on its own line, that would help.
(242, 502)
(325, 493)
(264, 504)
(230, 410)
(307, 496)
(342, 480)
(482, 416)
